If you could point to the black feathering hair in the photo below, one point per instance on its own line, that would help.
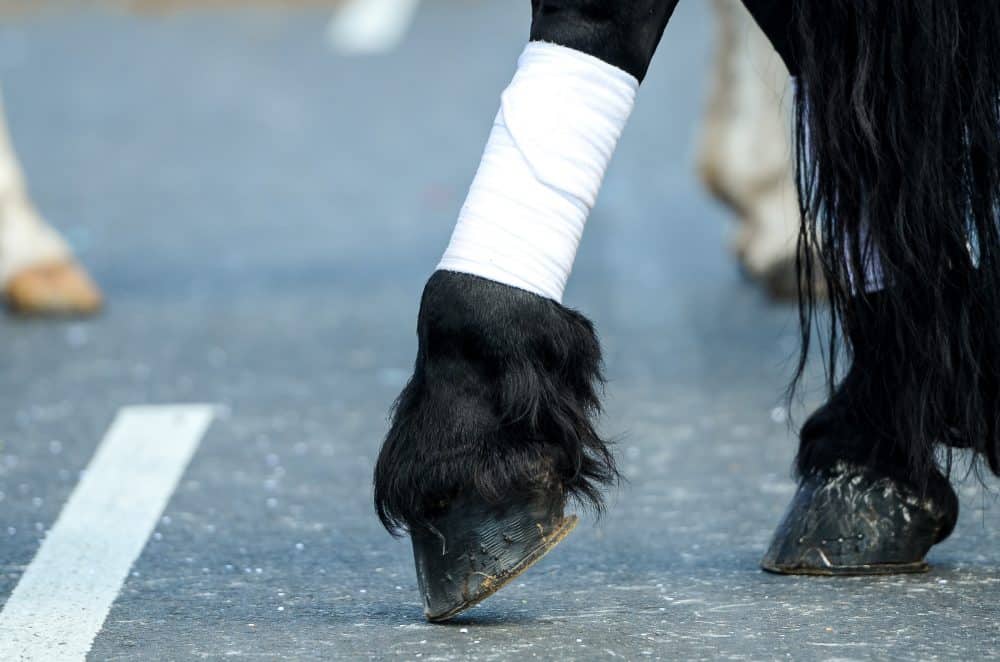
(503, 402)
(898, 155)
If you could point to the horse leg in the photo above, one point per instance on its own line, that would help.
(746, 153)
(872, 498)
(37, 271)
(859, 509)
(495, 431)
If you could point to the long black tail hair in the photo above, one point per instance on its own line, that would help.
(898, 154)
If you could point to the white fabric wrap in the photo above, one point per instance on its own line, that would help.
(559, 123)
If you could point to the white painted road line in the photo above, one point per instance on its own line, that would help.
(370, 27)
(64, 596)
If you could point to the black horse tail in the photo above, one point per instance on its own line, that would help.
(898, 156)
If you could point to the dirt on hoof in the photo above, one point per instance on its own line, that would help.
(56, 289)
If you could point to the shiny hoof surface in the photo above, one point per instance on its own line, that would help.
(54, 289)
(850, 521)
(473, 550)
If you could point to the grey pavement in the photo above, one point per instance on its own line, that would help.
(262, 215)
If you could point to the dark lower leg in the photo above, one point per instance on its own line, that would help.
(503, 390)
(624, 34)
(916, 215)
(501, 403)
(870, 500)
(495, 430)
(870, 411)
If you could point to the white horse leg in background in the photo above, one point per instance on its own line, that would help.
(38, 273)
(746, 153)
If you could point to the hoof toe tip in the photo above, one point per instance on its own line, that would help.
(473, 550)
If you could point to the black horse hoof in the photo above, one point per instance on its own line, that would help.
(473, 550)
(851, 521)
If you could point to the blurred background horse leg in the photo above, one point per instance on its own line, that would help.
(38, 273)
(746, 153)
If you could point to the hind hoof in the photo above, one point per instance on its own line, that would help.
(851, 521)
(56, 289)
(473, 550)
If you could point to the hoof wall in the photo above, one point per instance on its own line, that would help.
(58, 289)
(473, 550)
(850, 522)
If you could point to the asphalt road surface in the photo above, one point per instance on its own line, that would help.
(262, 211)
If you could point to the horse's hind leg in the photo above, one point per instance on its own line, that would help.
(37, 271)
(496, 428)
(872, 498)
(746, 154)
(859, 509)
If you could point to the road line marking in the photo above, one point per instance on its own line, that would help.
(370, 27)
(61, 601)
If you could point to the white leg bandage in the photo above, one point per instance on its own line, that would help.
(558, 126)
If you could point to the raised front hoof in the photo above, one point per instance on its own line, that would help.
(473, 550)
(850, 521)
